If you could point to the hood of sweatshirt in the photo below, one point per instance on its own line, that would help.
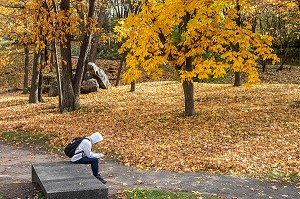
(96, 137)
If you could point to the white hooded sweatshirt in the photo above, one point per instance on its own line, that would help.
(86, 147)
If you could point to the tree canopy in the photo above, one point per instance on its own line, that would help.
(199, 38)
(171, 31)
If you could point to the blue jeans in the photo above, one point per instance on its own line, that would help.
(92, 161)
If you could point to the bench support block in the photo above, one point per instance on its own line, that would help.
(67, 180)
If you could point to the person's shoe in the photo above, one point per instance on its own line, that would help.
(101, 179)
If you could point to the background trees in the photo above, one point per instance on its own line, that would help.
(280, 19)
(197, 38)
(51, 22)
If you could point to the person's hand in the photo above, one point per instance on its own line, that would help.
(101, 155)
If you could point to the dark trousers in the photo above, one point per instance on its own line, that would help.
(92, 161)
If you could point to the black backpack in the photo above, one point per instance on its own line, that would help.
(72, 146)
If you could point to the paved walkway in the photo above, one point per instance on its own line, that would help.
(15, 167)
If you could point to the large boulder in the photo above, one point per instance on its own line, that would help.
(97, 73)
(91, 85)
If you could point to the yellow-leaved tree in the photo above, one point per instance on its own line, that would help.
(197, 37)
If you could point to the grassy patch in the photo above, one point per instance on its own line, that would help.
(29, 139)
(40, 195)
(277, 176)
(160, 194)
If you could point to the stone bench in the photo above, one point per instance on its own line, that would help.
(65, 180)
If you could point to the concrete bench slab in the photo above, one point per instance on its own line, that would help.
(65, 180)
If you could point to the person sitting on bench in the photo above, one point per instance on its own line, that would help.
(84, 154)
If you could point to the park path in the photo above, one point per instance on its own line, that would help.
(15, 167)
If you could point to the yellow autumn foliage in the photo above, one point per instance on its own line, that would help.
(171, 31)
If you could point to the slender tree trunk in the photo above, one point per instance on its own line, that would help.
(188, 89)
(81, 15)
(120, 69)
(54, 57)
(67, 87)
(264, 65)
(96, 37)
(26, 66)
(83, 57)
(237, 75)
(40, 86)
(237, 79)
(133, 86)
(33, 96)
(284, 56)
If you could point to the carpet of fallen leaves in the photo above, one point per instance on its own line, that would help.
(238, 130)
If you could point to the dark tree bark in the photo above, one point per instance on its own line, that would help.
(83, 57)
(237, 79)
(264, 65)
(82, 17)
(188, 88)
(33, 96)
(26, 66)
(120, 69)
(54, 57)
(285, 48)
(95, 40)
(40, 86)
(67, 87)
(133, 86)
(237, 75)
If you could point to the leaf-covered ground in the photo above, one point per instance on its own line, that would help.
(237, 130)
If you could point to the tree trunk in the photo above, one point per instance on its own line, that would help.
(264, 65)
(188, 89)
(284, 56)
(133, 86)
(67, 87)
(84, 49)
(96, 36)
(237, 79)
(40, 86)
(120, 69)
(237, 75)
(81, 15)
(54, 57)
(33, 96)
(26, 66)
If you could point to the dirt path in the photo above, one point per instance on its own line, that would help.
(15, 179)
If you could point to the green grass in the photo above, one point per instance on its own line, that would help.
(39, 195)
(32, 140)
(160, 194)
(292, 177)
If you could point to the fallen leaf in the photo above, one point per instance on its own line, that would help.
(274, 188)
